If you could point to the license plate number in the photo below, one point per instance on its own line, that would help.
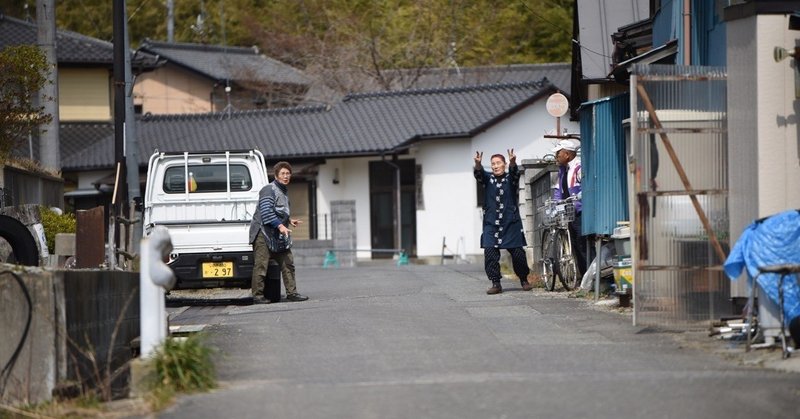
(218, 270)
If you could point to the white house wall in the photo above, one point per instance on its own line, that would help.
(448, 190)
(353, 184)
(764, 160)
(778, 111)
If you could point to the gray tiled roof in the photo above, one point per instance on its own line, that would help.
(361, 124)
(71, 47)
(558, 74)
(226, 63)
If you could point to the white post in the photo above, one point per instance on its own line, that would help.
(154, 278)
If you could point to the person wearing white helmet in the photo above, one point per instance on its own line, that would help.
(569, 184)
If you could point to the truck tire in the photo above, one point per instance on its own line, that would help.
(21, 240)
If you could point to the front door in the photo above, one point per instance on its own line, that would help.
(383, 206)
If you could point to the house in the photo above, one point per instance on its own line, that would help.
(199, 78)
(361, 148)
(85, 67)
(85, 95)
(687, 102)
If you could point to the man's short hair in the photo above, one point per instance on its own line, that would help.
(281, 165)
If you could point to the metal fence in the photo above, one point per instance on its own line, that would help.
(679, 194)
(23, 187)
(541, 185)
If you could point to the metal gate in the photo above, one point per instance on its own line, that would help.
(679, 195)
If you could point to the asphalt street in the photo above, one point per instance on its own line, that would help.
(427, 342)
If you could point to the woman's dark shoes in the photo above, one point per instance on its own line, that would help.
(495, 289)
(526, 286)
(296, 297)
(259, 299)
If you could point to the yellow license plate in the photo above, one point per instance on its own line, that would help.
(218, 270)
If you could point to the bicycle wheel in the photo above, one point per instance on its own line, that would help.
(548, 265)
(568, 267)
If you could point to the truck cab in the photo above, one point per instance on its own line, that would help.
(206, 200)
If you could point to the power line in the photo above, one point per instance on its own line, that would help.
(542, 17)
(560, 28)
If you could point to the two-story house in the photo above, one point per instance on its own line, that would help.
(198, 78)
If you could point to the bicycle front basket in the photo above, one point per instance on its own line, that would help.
(549, 215)
(567, 211)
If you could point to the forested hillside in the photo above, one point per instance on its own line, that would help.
(341, 43)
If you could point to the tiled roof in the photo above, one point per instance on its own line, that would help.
(558, 74)
(361, 124)
(227, 63)
(430, 78)
(71, 47)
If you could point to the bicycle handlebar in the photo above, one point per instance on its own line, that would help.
(550, 201)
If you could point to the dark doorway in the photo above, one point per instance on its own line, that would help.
(382, 205)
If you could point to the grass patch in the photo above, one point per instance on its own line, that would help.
(181, 365)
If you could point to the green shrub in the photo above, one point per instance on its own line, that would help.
(54, 224)
(184, 365)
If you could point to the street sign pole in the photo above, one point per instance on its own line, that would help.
(557, 106)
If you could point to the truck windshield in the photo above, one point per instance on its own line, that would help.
(207, 178)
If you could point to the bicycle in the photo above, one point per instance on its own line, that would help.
(557, 250)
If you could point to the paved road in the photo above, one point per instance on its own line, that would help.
(427, 342)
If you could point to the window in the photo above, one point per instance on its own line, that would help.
(207, 178)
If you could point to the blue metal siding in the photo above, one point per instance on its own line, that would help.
(708, 31)
(604, 183)
(667, 24)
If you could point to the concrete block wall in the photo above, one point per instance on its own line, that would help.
(41, 363)
(343, 228)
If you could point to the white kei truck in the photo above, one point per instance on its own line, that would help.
(206, 201)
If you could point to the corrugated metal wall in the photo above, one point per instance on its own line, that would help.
(679, 148)
(604, 184)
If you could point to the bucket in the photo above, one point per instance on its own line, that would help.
(623, 275)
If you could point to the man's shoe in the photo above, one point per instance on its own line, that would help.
(495, 289)
(259, 299)
(296, 297)
(526, 286)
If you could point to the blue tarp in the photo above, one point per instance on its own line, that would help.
(772, 241)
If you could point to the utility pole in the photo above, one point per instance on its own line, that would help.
(49, 154)
(120, 193)
(131, 152)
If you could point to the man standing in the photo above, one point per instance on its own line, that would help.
(502, 225)
(569, 184)
(270, 236)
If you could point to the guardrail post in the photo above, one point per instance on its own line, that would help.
(155, 277)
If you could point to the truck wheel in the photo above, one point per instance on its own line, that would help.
(22, 242)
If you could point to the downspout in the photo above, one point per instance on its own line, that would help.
(687, 32)
(312, 210)
(398, 224)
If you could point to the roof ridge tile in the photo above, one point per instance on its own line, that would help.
(444, 90)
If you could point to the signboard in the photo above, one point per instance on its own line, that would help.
(557, 105)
